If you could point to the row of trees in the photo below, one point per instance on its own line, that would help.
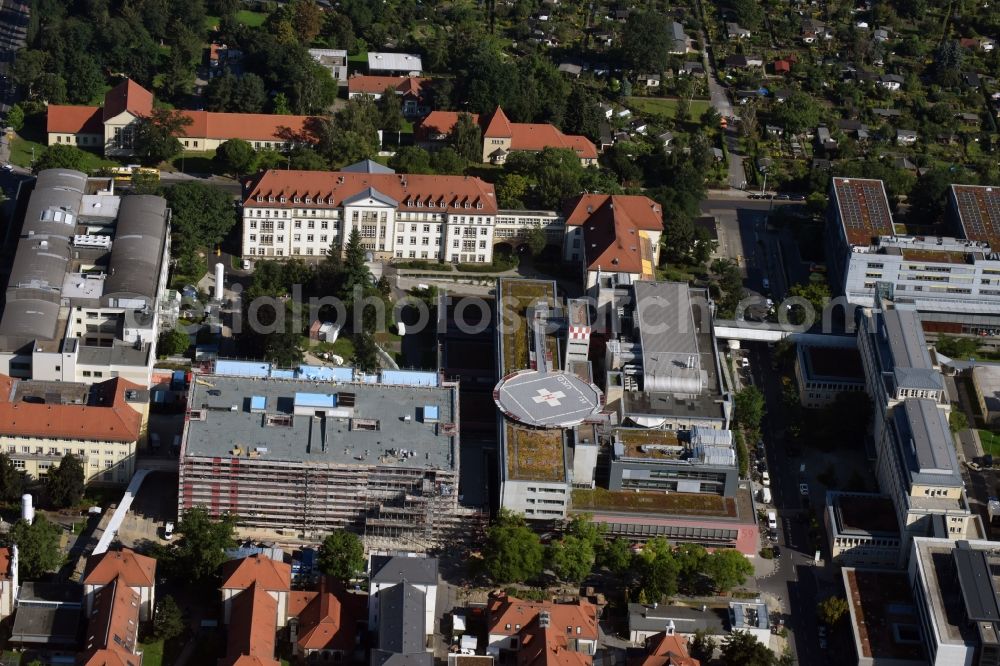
(514, 554)
(64, 482)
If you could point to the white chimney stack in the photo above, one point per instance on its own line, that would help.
(219, 273)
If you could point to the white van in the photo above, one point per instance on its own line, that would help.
(772, 520)
(765, 478)
(765, 495)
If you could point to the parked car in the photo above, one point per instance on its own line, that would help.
(765, 479)
(772, 520)
(168, 531)
(804, 489)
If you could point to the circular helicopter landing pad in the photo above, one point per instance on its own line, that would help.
(547, 399)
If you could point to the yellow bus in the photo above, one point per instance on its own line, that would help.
(124, 174)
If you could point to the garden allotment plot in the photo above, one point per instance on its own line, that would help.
(547, 399)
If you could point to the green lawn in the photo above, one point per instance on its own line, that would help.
(192, 161)
(991, 443)
(665, 107)
(20, 151)
(152, 653)
(244, 16)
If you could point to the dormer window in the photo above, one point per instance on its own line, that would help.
(284, 200)
(420, 204)
(259, 198)
(295, 200)
(467, 205)
(270, 198)
(430, 204)
(308, 199)
(479, 205)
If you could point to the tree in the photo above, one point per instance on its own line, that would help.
(307, 19)
(282, 349)
(727, 568)
(84, 79)
(365, 352)
(60, 157)
(646, 41)
(749, 408)
(466, 138)
(571, 558)
(65, 482)
(658, 570)
(702, 646)
(513, 552)
(146, 183)
(155, 139)
(536, 241)
(511, 189)
(29, 66)
(390, 110)
(741, 648)
(817, 294)
(174, 342)
(957, 348)
(198, 552)
(341, 555)
(168, 622)
(583, 116)
(236, 156)
(219, 92)
(202, 214)
(797, 113)
(38, 546)
(749, 13)
(15, 117)
(831, 610)
(411, 159)
(352, 135)
(306, 159)
(447, 161)
(12, 480)
(249, 94)
(616, 555)
(929, 194)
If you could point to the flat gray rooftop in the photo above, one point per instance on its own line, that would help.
(927, 444)
(323, 422)
(547, 399)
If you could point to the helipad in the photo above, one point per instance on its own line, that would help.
(547, 399)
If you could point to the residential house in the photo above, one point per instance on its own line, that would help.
(261, 573)
(615, 234)
(648, 80)
(255, 604)
(607, 139)
(541, 633)
(502, 137)
(665, 649)
(693, 69)
(734, 31)
(112, 634)
(968, 118)
(774, 130)
(111, 128)
(401, 606)
(968, 43)
(648, 621)
(745, 96)
(887, 113)
(639, 126)
(781, 95)
(326, 624)
(606, 110)
(571, 69)
(880, 35)
(665, 139)
(751, 617)
(222, 58)
(8, 581)
(738, 61)
(335, 60)
(410, 90)
(100, 424)
(987, 44)
(891, 81)
(813, 30)
(394, 64)
(124, 567)
(678, 40)
(905, 137)
(718, 155)
(782, 66)
(824, 139)
(904, 163)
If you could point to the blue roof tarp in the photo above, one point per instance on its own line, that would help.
(323, 373)
(242, 368)
(282, 374)
(315, 400)
(409, 378)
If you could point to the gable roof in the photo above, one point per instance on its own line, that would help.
(329, 618)
(74, 119)
(665, 649)
(548, 646)
(112, 630)
(613, 227)
(252, 628)
(332, 188)
(367, 166)
(523, 136)
(246, 126)
(4, 563)
(133, 569)
(257, 570)
(127, 96)
(106, 417)
(440, 122)
(401, 620)
(376, 85)
(543, 641)
(399, 569)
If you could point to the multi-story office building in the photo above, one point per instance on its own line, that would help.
(862, 529)
(40, 422)
(956, 590)
(824, 372)
(951, 275)
(308, 451)
(82, 300)
(702, 460)
(916, 464)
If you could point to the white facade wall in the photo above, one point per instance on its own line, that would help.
(103, 462)
(537, 500)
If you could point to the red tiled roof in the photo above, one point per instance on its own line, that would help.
(499, 125)
(440, 122)
(665, 650)
(266, 573)
(74, 119)
(127, 96)
(246, 126)
(133, 569)
(252, 628)
(445, 192)
(108, 418)
(4, 563)
(112, 630)
(611, 226)
(782, 66)
(330, 618)
(376, 85)
(543, 645)
(548, 646)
